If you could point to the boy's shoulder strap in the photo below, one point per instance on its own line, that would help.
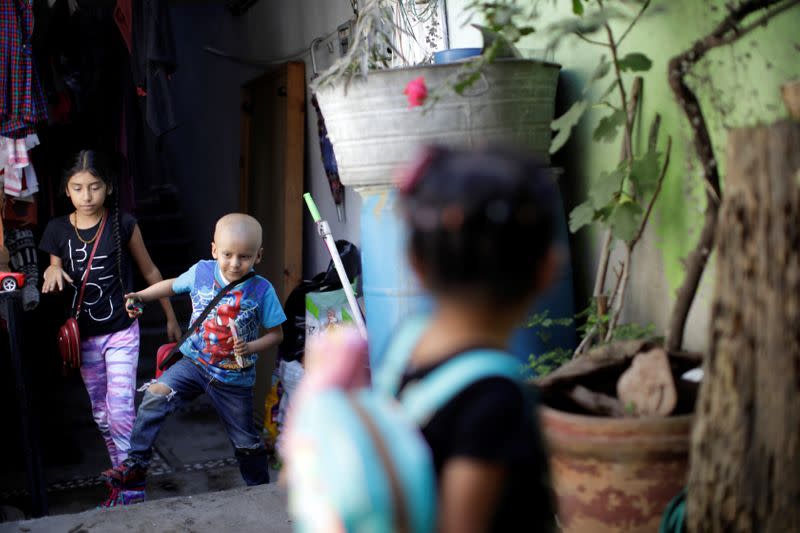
(387, 377)
(423, 398)
(175, 353)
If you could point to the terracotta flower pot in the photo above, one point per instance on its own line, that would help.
(615, 474)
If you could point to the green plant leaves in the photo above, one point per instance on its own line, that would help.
(466, 81)
(625, 220)
(543, 320)
(603, 68)
(606, 130)
(602, 202)
(563, 125)
(635, 62)
(543, 364)
(614, 203)
(603, 191)
(581, 216)
(577, 7)
(645, 171)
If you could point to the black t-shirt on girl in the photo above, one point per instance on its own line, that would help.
(103, 309)
(492, 421)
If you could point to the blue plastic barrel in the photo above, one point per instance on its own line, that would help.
(391, 290)
(557, 302)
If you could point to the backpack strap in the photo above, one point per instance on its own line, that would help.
(395, 359)
(422, 399)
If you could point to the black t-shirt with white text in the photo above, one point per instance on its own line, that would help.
(493, 421)
(103, 309)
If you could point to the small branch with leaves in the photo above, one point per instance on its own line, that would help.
(620, 201)
(726, 32)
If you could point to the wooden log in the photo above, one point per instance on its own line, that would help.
(745, 454)
(791, 98)
(596, 402)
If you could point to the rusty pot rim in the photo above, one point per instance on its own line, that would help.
(625, 424)
(612, 439)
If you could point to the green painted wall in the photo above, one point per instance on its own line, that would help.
(738, 85)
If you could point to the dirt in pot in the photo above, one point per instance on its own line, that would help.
(589, 385)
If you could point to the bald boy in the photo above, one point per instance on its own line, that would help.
(218, 357)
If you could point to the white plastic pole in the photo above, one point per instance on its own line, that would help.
(325, 232)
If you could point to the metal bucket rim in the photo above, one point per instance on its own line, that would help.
(428, 66)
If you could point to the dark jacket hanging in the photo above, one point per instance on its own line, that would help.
(153, 61)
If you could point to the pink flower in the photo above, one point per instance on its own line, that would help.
(416, 91)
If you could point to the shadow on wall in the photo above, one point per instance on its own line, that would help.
(572, 182)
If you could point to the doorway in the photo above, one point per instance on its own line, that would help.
(271, 185)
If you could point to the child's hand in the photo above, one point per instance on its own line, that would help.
(54, 279)
(174, 332)
(134, 306)
(241, 348)
(336, 359)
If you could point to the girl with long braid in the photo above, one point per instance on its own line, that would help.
(109, 338)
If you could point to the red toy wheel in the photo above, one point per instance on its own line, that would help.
(9, 284)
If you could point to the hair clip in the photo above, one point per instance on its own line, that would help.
(409, 176)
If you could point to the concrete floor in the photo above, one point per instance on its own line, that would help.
(242, 510)
(192, 457)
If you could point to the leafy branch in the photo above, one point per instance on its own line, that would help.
(621, 200)
(726, 32)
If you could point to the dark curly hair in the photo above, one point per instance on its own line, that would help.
(480, 221)
(99, 166)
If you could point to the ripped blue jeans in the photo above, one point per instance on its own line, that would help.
(234, 405)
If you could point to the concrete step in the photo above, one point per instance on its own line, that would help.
(261, 508)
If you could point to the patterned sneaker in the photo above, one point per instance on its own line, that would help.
(111, 500)
(130, 476)
(118, 497)
(130, 497)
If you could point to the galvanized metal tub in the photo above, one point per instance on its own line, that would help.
(373, 131)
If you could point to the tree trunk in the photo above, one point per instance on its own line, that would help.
(745, 455)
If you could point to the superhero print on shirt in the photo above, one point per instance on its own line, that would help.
(219, 333)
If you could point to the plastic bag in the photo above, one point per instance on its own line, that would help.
(292, 347)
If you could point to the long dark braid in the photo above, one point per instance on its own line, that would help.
(118, 240)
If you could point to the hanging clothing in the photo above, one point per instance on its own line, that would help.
(21, 97)
(329, 162)
(123, 15)
(16, 171)
(153, 62)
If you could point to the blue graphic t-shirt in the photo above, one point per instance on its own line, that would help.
(241, 312)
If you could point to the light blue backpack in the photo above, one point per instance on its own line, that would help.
(360, 462)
